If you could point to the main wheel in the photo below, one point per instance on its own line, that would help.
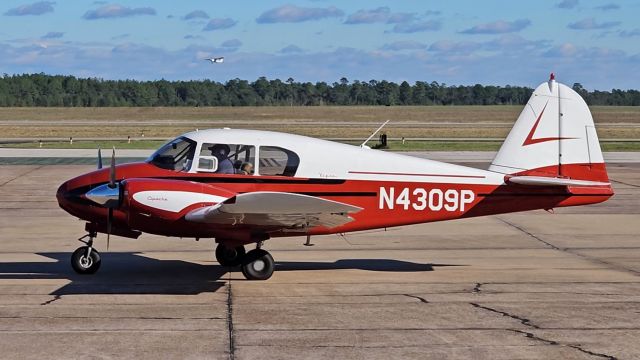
(229, 256)
(258, 265)
(84, 264)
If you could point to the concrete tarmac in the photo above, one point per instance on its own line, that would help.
(531, 285)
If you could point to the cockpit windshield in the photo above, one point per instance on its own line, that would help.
(176, 155)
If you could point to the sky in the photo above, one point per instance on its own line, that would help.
(457, 42)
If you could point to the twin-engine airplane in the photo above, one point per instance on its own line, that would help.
(215, 60)
(244, 187)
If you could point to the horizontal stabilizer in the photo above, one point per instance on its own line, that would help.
(552, 181)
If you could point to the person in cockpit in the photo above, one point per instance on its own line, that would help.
(221, 152)
(246, 169)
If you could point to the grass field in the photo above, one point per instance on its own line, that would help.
(502, 113)
(325, 122)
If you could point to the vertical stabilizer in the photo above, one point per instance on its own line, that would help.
(554, 136)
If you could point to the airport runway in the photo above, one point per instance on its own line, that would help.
(528, 286)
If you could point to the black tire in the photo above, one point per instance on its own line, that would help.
(258, 265)
(83, 265)
(229, 256)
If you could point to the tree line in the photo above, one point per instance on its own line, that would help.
(69, 91)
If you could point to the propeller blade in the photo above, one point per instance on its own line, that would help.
(99, 158)
(109, 220)
(112, 172)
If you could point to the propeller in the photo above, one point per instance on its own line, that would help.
(112, 185)
(112, 170)
(107, 195)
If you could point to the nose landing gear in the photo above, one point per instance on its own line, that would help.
(86, 259)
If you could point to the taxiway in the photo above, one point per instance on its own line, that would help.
(531, 285)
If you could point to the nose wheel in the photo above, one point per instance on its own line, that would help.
(86, 260)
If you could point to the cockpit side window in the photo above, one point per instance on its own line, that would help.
(176, 155)
(230, 158)
(277, 161)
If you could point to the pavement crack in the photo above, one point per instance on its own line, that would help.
(523, 321)
(534, 337)
(530, 234)
(527, 322)
(21, 175)
(568, 251)
(604, 356)
(56, 297)
(423, 300)
(555, 343)
(603, 262)
(624, 183)
(230, 322)
(476, 289)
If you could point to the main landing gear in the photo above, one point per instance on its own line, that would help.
(86, 259)
(257, 264)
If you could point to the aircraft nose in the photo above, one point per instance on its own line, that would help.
(67, 196)
(61, 194)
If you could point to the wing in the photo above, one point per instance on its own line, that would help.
(285, 211)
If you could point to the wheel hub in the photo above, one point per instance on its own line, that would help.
(86, 262)
(258, 265)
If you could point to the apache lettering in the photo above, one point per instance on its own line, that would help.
(421, 199)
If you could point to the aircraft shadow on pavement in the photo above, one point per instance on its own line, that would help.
(389, 265)
(129, 273)
(122, 273)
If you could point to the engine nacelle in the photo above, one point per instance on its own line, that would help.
(167, 200)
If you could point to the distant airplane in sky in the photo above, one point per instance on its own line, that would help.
(215, 60)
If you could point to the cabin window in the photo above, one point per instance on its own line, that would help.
(226, 158)
(176, 155)
(277, 161)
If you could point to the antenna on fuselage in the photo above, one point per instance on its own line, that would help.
(364, 144)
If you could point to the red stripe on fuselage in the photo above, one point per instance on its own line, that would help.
(415, 174)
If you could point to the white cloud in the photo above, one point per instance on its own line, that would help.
(196, 14)
(232, 44)
(568, 4)
(291, 49)
(53, 35)
(37, 8)
(294, 14)
(404, 45)
(117, 11)
(413, 27)
(498, 27)
(219, 24)
(379, 15)
(592, 24)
